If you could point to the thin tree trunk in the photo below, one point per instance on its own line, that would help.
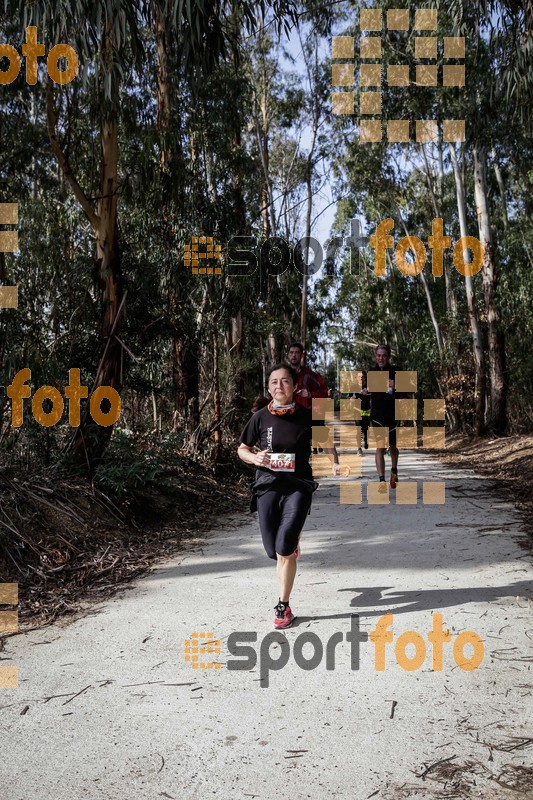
(497, 419)
(477, 343)
(236, 140)
(501, 187)
(266, 156)
(234, 349)
(262, 132)
(185, 379)
(109, 279)
(436, 199)
(238, 199)
(309, 187)
(164, 97)
(434, 320)
(209, 164)
(217, 418)
(185, 383)
(108, 272)
(431, 309)
(303, 318)
(264, 366)
(312, 76)
(154, 401)
(107, 255)
(273, 349)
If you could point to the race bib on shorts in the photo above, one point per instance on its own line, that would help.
(282, 462)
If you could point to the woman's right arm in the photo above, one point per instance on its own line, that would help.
(260, 459)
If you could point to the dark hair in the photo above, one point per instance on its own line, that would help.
(298, 345)
(260, 402)
(292, 372)
(383, 347)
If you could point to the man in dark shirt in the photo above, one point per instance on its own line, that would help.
(382, 413)
(364, 399)
(310, 383)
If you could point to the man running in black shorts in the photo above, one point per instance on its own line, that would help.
(382, 413)
(364, 398)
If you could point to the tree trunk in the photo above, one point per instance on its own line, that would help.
(107, 255)
(185, 380)
(497, 418)
(436, 199)
(477, 343)
(185, 383)
(238, 199)
(90, 440)
(264, 366)
(217, 418)
(262, 129)
(303, 314)
(434, 320)
(234, 334)
(312, 76)
(234, 349)
(501, 187)
(273, 349)
(431, 309)
(236, 140)
(164, 99)
(266, 130)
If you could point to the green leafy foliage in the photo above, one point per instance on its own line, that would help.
(129, 466)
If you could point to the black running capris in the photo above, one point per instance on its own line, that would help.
(281, 519)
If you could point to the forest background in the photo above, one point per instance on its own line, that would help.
(214, 119)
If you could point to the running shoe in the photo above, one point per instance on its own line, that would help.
(382, 488)
(366, 444)
(387, 452)
(360, 451)
(393, 478)
(284, 616)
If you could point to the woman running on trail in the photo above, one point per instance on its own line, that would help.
(283, 486)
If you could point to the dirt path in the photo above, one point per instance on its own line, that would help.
(107, 706)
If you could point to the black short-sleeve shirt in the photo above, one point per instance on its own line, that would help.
(382, 406)
(286, 433)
